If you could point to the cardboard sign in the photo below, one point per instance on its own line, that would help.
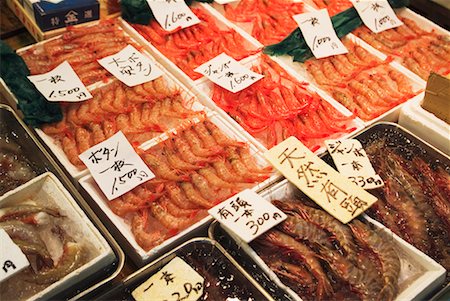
(319, 33)
(247, 214)
(437, 96)
(377, 15)
(332, 191)
(172, 14)
(61, 84)
(351, 161)
(12, 259)
(228, 73)
(131, 67)
(175, 281)
(115, 166)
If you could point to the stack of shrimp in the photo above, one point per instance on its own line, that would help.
(322, 259)
(361, 82)
(270, 21)
(81, 47)
(418, 50)
(195, 169)
(278, 106)
(141, 113)
(190, 47)
(333, 6)
(415, 201)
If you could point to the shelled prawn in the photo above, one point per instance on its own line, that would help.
(333, 6)
(141, 113)
(195, 169)
(81, 47)
(269, 21)
(190, 47)
(361, 82)
(418, 50)
(322, 259)
(278, 106)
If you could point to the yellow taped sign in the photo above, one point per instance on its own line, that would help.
(332, 191)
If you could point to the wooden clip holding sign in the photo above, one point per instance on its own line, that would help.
(437, 97)
(332, 191)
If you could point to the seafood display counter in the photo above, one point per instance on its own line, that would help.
(70, 252)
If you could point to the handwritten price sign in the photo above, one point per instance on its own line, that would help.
(131, 67)
(61, 84)
(175, 281)
(319, 33)
(247, 214)
(172, 14)
(228, 73)
(12, 259)
(351, 160)
(332, 191)
(115, 166)
(377, 15)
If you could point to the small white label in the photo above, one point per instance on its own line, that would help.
(12, 259)
(131, 67)
(61, 84)
(319, 33)
(224, 1)
(247, 214)
(173, 14)
(378, 15)
(175, 281)
(351, 161)
(115, 166)
(228, 73)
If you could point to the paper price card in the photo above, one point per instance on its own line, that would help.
(225, 1)
(175, 281)
(172, 14)
(332, 191)
(377, 15)
(319, 33)
(351, 161)
(12, 259)
(247, 214)
(131, 67)
(115, 166)
(228, 73)
(61, 84)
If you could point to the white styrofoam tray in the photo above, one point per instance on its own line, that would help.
(425, 125)
(419, 274)
(172, 81)
(47, 190)
(124, 228)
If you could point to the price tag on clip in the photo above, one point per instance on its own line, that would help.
(377, 15)
(351, 161)
(247, 214)
(115, 166)
(228, 73)
(319, 33)
(12, 259)
(175, 281)
(61, 84)
(172, 14)
(131, 67)
(332, 191)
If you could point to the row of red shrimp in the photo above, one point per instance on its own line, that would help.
(190, 47)
(415, 201)
(278, 106)
(269, 21)
(320, 258)
(81, 47)
(195, 169)
(420, 51)
(333, 6)
(361, 82)
(141, 113)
